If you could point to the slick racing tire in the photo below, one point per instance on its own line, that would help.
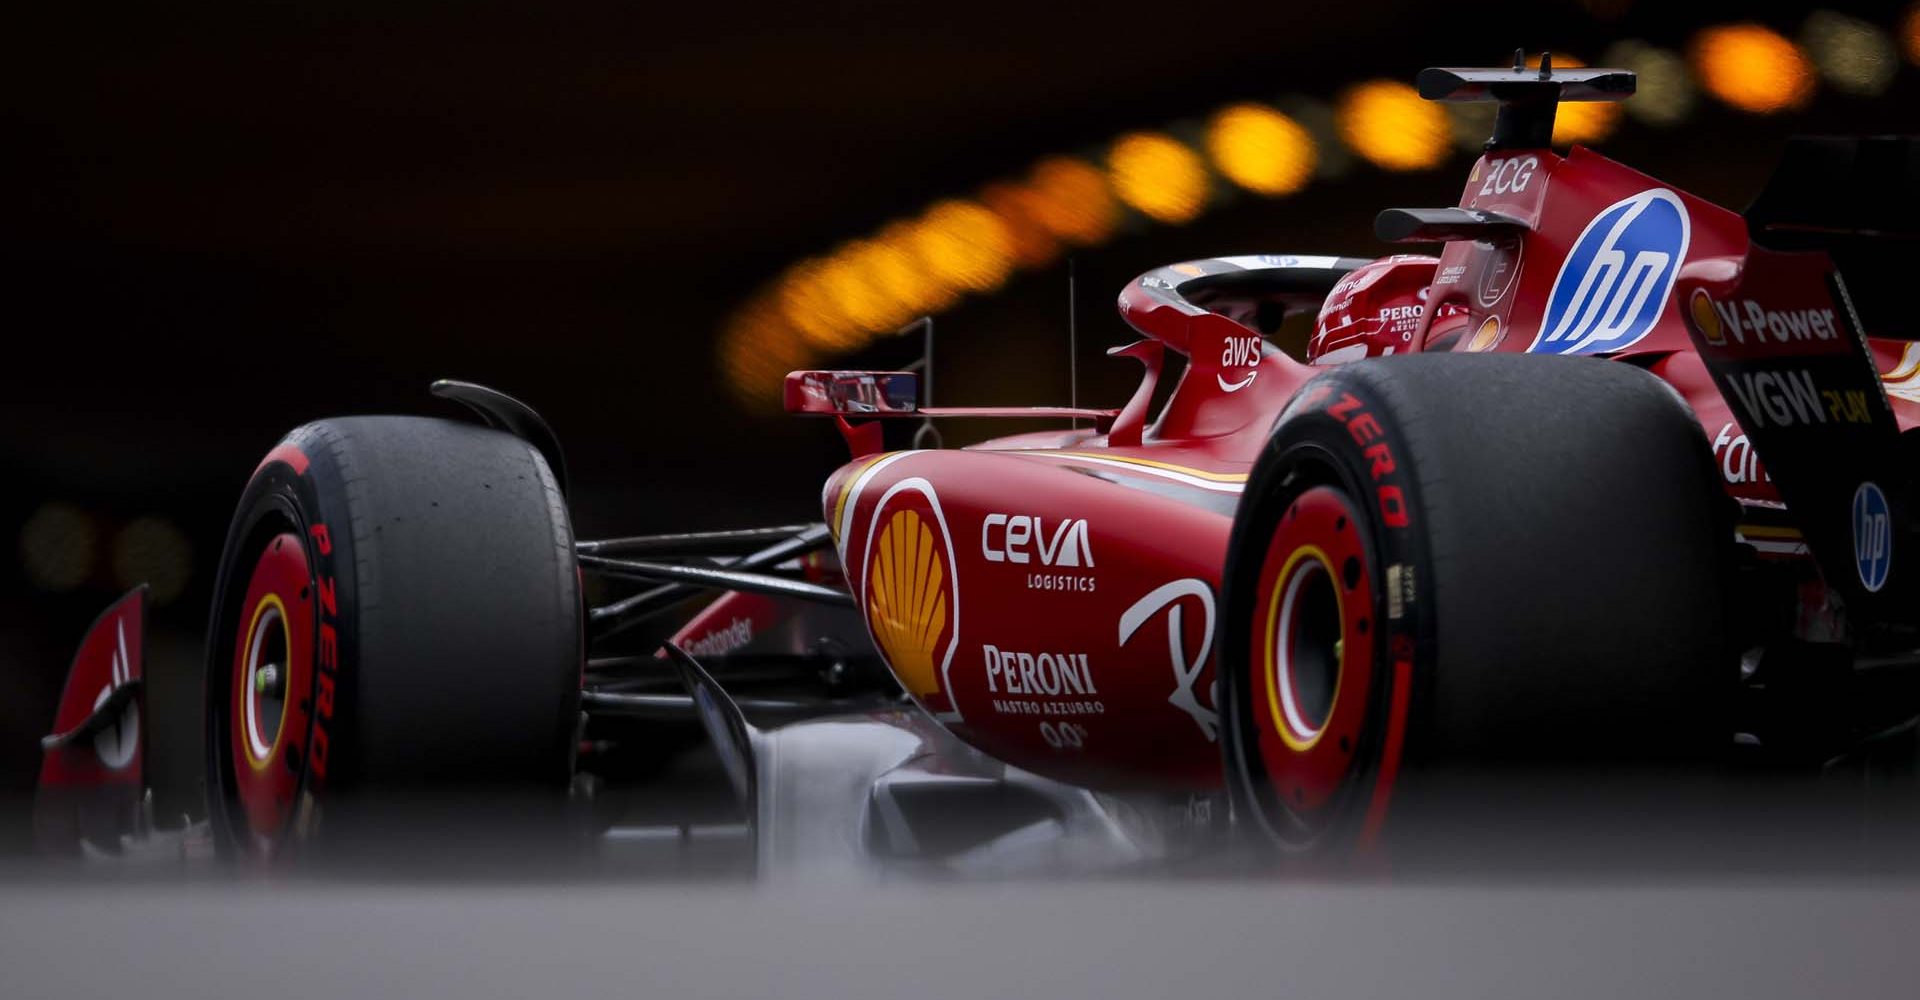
(396, 621)
(1456, 564)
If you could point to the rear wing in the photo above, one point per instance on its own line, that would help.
(1840, 185)
(1858, 199)
(1528, 98)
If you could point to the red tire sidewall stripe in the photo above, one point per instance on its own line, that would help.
(1390, 754)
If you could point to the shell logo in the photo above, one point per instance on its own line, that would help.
(1487, 336)
(907, 601)
(1706, 318)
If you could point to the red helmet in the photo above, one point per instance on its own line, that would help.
(1374, 310)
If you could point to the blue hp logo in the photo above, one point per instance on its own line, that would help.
(1615, 281)
(1872, 536)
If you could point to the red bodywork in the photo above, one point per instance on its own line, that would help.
(1050, 597)
(109, 658)
(92, 771)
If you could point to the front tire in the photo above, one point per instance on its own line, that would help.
(1468, 564)
(397, 619)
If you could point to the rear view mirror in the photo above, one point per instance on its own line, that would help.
(852, 393)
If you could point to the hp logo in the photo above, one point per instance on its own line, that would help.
(1615, 280)
(1872, 536)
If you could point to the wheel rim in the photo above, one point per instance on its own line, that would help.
(1305, 647)
(1313, 641)
(263, 679)
(271, 683)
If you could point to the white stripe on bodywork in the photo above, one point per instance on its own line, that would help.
(853, 497)
(1148, 470)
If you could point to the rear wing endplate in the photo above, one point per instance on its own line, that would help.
(1779, 335)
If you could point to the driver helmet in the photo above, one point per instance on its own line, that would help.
(1374, 310)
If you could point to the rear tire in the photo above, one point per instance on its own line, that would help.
(1450, 564)
(397, 624)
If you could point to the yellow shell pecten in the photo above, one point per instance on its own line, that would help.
(907, 601)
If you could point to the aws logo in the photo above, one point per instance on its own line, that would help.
(1239, 352)
(912, 599)
(1616, 279)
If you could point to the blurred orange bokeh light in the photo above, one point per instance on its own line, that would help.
(1388, 123)
(849, 279)
(1752, 68)
(964, 246)
(757, 349)
(1158, 176)
(808, 304)
(1580, 121)
(1033, 244)
(1071, 199)
(1261, 149)
(889, 263)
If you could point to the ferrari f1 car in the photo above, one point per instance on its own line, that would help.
(1620, 478)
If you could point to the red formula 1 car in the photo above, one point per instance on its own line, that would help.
(1452, 536)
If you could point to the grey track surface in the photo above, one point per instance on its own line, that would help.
(1155, 938)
